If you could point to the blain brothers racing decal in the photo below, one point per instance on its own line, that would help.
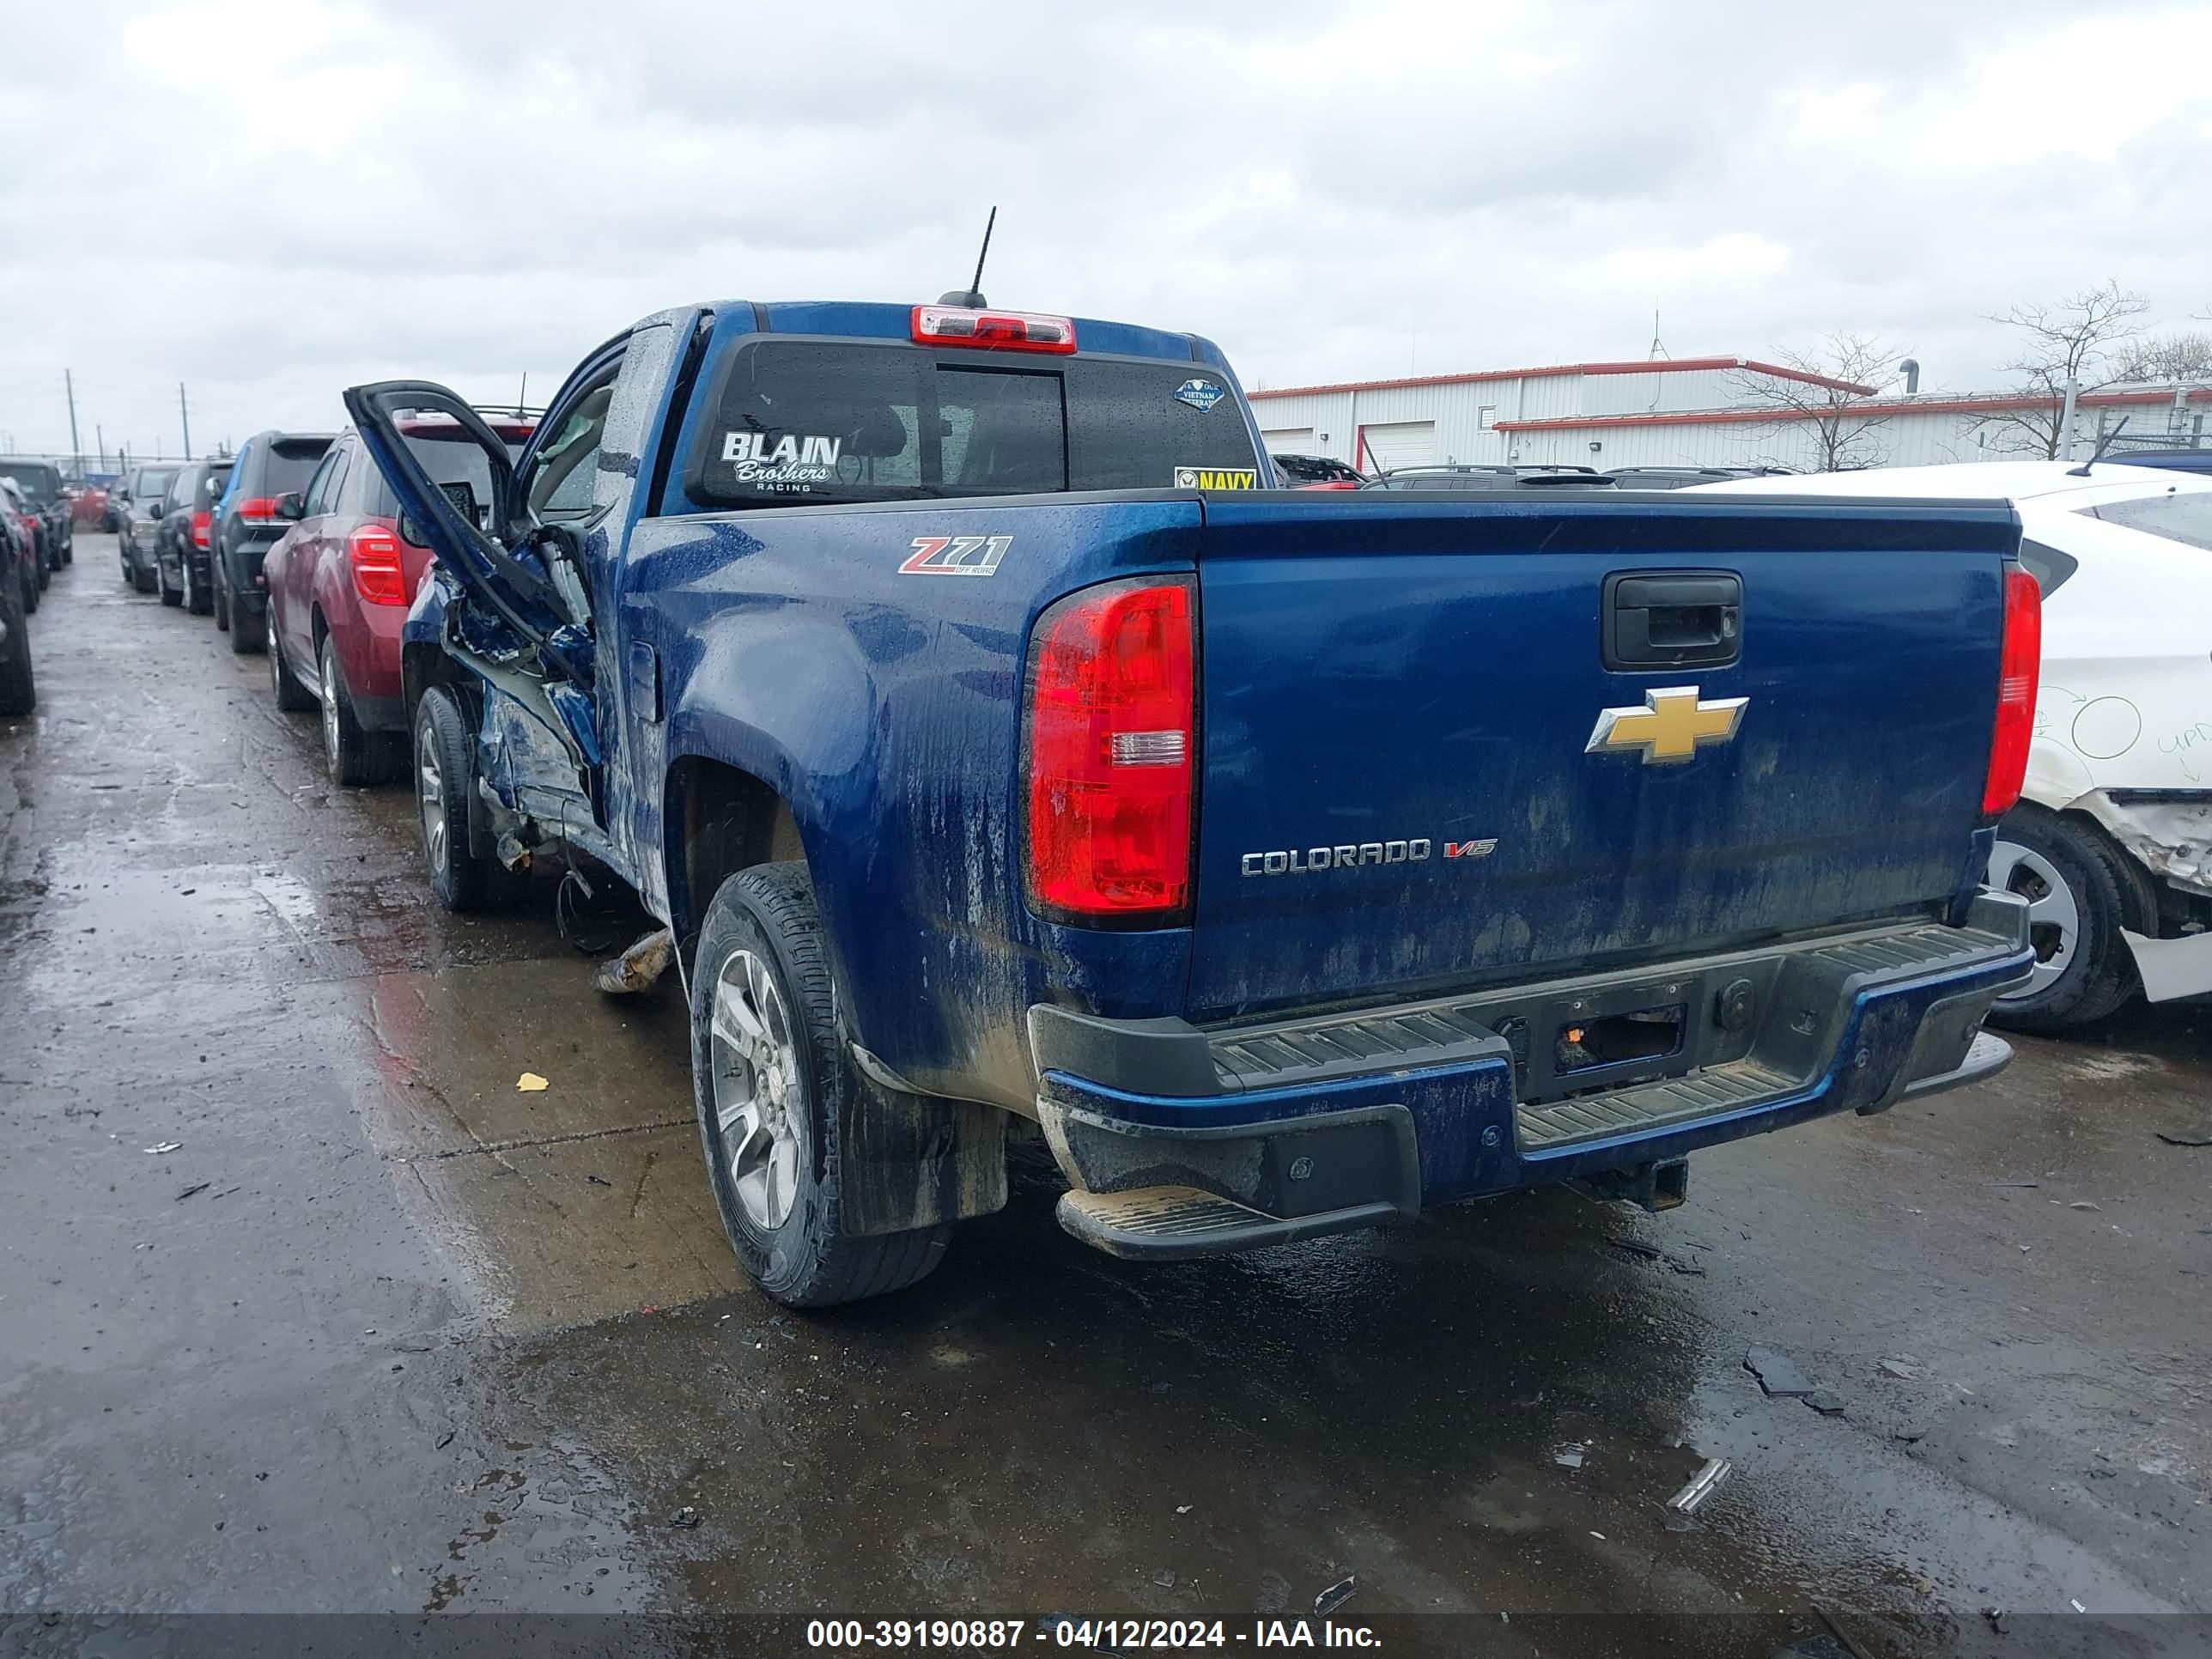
(1217, 477)
(1293, 862)
(792, 464)
(955, 556)
(1200, 395)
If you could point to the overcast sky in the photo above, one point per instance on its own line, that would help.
(269, 199)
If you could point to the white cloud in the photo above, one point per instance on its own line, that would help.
(269, 198)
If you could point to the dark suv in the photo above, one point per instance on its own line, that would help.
(41, 484)
(271, 465)
(187, 529)
(139, 519)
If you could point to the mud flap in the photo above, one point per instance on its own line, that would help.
(914, 1160)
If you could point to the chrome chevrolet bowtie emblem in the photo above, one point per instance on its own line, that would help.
(1672, 725)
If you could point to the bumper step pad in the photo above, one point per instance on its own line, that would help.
(1175, 1224)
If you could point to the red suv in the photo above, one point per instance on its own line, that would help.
(340, 580)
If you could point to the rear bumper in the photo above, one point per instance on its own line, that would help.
(1324, 1124)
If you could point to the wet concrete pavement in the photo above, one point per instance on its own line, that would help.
(383, 1334)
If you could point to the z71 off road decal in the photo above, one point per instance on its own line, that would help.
(955, 556)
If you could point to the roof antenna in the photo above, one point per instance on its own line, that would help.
(972, 298)
(522, 398)
(2105, 442)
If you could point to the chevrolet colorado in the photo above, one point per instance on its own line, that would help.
(1002, 749)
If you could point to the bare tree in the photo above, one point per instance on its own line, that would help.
(2186, 356)
(1829, 396)
(2076, 340)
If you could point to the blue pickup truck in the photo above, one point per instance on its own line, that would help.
(1007, 757)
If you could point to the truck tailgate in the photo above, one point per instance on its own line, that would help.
(1401, 699)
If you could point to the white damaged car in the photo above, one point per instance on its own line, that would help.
(2111, 843)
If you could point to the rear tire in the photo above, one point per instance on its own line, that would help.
(292, 698)
(18, 695)
(770, 1076)
(221, 606)
(2077, 888)
(248, 633)
(354, 758)
(198, 600)
(445, 774)
(144, 578)
(31, 585)
(170, 596)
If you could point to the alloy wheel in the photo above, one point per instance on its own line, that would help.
(2054, 917)
(757, 1089)
(329, 675)
(430, 797)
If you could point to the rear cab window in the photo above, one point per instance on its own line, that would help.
(793, 422)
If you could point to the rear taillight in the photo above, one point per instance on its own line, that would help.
(258, 509)
(202, 519)
(373, 552)
(2018, 665)
(1002, 330)
(1111, 741)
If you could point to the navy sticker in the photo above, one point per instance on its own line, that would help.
(1200, 395)
(1217, 477)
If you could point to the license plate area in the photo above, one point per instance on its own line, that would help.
(1637, 1032)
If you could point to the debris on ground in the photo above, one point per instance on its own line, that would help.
(1843, 1636)
(1910, 1435)
(446, 1439)
(601, 1180)
(530, 1083)
(160, 1147)
(2084, 1204)
(636, 969)
(197, 1187)
(2196, 1135)
(1901, 1365)
(1826, 1402)
(687, 1517)
(1700, 1486)
(2015, 1183)
(1569, 1456)
(1636, 1247)
(1777, 1373)
(1335, 1595)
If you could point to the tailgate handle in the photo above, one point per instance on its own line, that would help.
(1673, 619)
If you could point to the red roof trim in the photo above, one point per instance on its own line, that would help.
(1659, 366)
(1997, 405)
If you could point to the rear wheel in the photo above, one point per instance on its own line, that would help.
(169, 595)
(444, 775)
(292, 698)
(352, 757)
(221, 602)
(2075, 887)
(18, 695)
(770, 1079)
(248, 632)
(31, 585)
(198, 600)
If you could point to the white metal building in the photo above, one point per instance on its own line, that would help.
(1682, 412)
